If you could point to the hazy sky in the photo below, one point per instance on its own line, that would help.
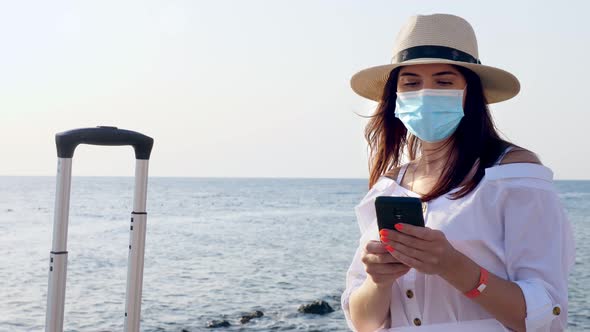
(261, 88)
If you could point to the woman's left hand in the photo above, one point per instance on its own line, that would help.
(427, 250)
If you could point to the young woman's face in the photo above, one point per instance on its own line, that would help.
(430, 76)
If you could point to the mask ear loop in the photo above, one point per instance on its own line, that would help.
(464, 98)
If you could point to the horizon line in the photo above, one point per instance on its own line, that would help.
(228, 177)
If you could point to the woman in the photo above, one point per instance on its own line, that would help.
(497, 247)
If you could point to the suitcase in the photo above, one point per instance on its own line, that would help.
(66, 144)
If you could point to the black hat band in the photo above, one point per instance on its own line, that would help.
(432, 51)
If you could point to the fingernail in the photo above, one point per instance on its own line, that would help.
(389, 248)
(383, 232)
(384, 239)
(398, 227)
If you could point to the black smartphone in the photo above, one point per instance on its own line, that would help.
(392, 210)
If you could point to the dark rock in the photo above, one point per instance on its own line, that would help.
(246, 318)
(217, 323)
(316, 307)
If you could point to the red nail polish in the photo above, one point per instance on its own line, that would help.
(389, 248)
(399, 227)
(383, 232)
(384, 239)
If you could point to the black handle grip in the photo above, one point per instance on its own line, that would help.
(67, 141)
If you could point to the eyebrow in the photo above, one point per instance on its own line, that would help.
(437, 74)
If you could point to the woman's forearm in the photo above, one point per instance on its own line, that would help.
(369, 305)
(501, 298)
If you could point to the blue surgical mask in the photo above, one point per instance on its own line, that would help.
(430, 114)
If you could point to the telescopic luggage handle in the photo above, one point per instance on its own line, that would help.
(66, 144)
(67, 141)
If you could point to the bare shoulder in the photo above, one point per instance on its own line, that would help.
(520, 155)
(392, 173)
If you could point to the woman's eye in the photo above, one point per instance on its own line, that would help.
(445, 83)
(411, 84)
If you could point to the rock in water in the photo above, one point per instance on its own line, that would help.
(316, 307)
(218, 323)
(246, 318)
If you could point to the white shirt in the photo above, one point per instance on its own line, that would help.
(512, 224)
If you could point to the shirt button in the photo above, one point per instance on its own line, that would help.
(417, 321)
(556, 311)
(409, 294)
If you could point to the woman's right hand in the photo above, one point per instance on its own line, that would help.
(380, 265)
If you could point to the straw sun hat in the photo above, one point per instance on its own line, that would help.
(437, 38)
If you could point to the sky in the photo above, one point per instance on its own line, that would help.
(262, 88)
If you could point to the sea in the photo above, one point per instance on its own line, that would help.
(216, 249)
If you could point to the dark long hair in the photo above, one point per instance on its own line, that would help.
(476, 138)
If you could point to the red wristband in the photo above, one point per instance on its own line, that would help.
(483, 283)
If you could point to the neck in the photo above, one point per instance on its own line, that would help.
(433, 156)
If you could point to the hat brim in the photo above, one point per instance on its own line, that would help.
(498, 85)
